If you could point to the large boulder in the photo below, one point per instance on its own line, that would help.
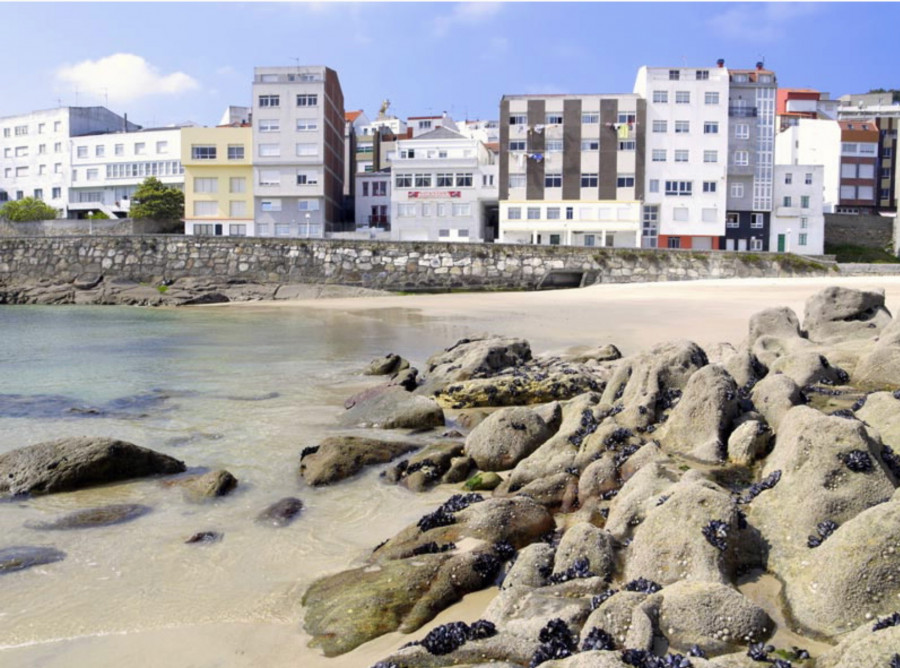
(644, 491)
(780, 323)
(748, 442)
(524, 612)
(774, 396)
(843, 313)
(473, 358)
(882, 412)
(831, 469)
(392, 407)
(583, 542)
(619, 615)
(807, 368)
(506, 437)
(880, 368)
(386, 366)
(74, 463)
(865, 647)
(428, 467)
(339, 457)
(532, 567)
(700, 424)
(208, 486)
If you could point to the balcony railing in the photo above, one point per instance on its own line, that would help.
(377, 221)
(742, 112)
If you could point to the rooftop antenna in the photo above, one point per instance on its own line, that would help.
(297, 61)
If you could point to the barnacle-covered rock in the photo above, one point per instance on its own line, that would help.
(534, 383)
(524, 612)
(339, 457)
(808, 367)
(620, 615)
(774, 396)
(587, 542)
(507, 437)
(532, 567)
(880, 367)
(815, 483)
(881, 411)
(392, 407)
(845, 313)
(427, 467)
(701, 422)
(386, 366)
(713, 615)
(850, 578)
(502, 650)
(599, 477)
(640, 495)
(863, 648)
(473, 358)
(748, 442)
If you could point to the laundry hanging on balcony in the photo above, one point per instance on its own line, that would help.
(537, 157)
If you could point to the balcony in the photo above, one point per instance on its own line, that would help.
(379, 221)
(742, 112)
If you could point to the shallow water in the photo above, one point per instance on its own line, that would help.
(218, 389)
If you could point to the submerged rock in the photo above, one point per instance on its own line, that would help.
(74, 463)
(94, 517)
(204, 537)
(281, 513)
(208, 486)
(19, 558)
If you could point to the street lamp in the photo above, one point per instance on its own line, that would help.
(307, 225)
(787, 244)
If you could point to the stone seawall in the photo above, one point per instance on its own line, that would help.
(397, 266)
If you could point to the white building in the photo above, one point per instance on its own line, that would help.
(814, 142)
(422, 124)
(107, 168)
(37, 149)
(445, 189)
(686, 154)
(487, 132)
(373, 200)
(798, 221)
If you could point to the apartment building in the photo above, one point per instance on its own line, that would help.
(571, 169)
(423, 124)
(218, 179)
(373, 200)
(814, 142)
(107, 168)
(37, 149)
(798, 221)
(298, 144)
(882, 108)
(445, 189)
(792, 104)
(751, 157)
(859, 163)
(487, 132)
(687, 145)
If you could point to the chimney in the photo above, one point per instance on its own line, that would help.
(759, 65)
(720, 62)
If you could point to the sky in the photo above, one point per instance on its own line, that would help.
(169, 62)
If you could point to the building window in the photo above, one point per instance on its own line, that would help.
(307, 150)
(21, 130)
(269, 100)
(554, 119)
(533, 213)
(462, 210)
(804, 222)
(786, 201)
(654, 185)
(464, 180)
(517, 145)
(590, 145)
(422, 180)
(682, 188)
(57, 168)
(737, 190)
(42, 149)
(625, 181)
(235, 151)
(140, 148)
(307, 100)
(514, 213)
(742, 131)
(590, 119)
(308, 178)
(589, 180)
(518, 119)
(444, 233)
(269, 177)
(788, 178)
(237, 184)
(702, 75)
(99, 150)
(553, 180)
(589, 240)
(444, 180)
(206, 185)
(305, 125)
(206, 208)
(201, 152)
(804, 201)
(802, 238)
(269, 125)
(757, 220)
(741, 158)
(310, 205)
(270, 150)
(93, 174)
(682, 97)
(56, 193)
(660, 126)
(407, 153)
(516, 180)
(554, 146)
(756, 244)
(118, 149)
(570, 213)
(39, 193)
(710, 156)
(682, 155)
(887, 152)
(237, 230)
(661, 96)
(553, 213)
(711, 97)
(659, 155)
(682, 127)
(681, 214)
(626, 117)
(365, 189)
(711, 128)
(627, 144)
(885, 172)
(673, 75)
(379, 188)
(732, 220)
(674, 242)
(709, 186)
(81, 151)
(204, 230)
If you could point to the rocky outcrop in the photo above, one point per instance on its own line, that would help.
(393, 407)
(386, 366)
(75, 463)
(845, 313)
(473, 358)
(439, 462)
(339, 457)
(506, 437)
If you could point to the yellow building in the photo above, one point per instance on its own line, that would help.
(218, 180)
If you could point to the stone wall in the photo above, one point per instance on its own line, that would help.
(868, 231)
(115, 226)
(383, 265)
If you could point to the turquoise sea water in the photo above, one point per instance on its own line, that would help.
(241, 389)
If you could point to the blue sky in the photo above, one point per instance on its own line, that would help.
(169, 62)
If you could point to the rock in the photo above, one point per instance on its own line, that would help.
(864, 648)
(767, 349)
(339, 457)
(408, 379)
(559, 490)
(774, 396)
(394, 408)
(845, 313)
(594, 659)
(208, 486)
(614, 615)
(781, 323)
(699, 425)
(94, 517)
(743, 366)
(815, 484)
(532, 384)
(205, 538)
(524, 612)
(506, 437)
(22, 557)
(483, 482)
(281, 513)
(671, 545)
(584, 541)
(427, 467)
(807, 368)
(386, 366)
(458, 471)
(880, 367)
(598, 477)
(609, 437)
(74, 463)
(472, 358)
(532, 567)
(87, 281)
(503, 650)
(882, 412)
(748, 442)
(638, 496)
(602, 353)
(712, 615)
(645, 383)
(851, 578)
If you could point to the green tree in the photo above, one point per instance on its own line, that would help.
(156, 201)
(27, 209)
(98, 215)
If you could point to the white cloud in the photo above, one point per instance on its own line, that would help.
(123, 77)
(466, 13)
(760, 22)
